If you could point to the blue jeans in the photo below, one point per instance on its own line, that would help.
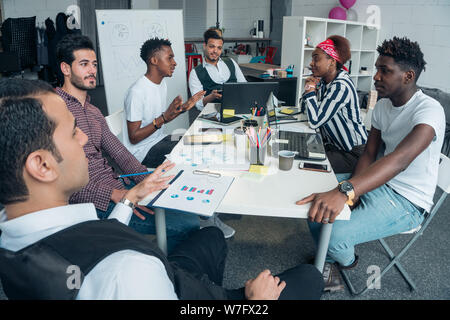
(178, 224)
(381, 213)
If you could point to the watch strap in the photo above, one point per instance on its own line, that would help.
(128, 203)
(350, 194)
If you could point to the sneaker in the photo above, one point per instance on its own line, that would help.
(228, 231)
(332, 278)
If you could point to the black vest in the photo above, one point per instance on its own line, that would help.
(208, 84)
(39, 271)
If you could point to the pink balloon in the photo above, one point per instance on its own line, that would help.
(338, 13)
(347, 4)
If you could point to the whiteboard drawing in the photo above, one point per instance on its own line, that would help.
(121, 33)
(127, 65)
(154, 29)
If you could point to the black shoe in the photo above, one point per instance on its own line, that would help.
(332, 278)
(352, 265)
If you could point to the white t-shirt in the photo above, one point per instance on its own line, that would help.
(417, 182)
(144, 101)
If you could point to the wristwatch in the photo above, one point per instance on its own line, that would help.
(127, 202)
(347, 188)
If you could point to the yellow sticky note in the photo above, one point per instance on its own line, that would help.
(286, 111)
(258, 169)
(226, 137)
(228, 113)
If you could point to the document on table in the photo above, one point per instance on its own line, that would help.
(194, 191)
(212, 157)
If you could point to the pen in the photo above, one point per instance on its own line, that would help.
(135, 174)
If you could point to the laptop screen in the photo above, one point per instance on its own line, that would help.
(241, 96)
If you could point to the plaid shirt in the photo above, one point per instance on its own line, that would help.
(102, 178)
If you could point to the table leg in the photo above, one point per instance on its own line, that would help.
(160, 222)
(324, 239)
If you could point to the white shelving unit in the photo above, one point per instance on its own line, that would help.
(363, 39)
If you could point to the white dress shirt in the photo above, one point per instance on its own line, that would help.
(219, 74)
(125, 274)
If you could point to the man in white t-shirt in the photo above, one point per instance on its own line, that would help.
(391, 194)
(145, 105)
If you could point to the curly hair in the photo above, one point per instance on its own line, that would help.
(342, 46)
(406, 54)
(151, 46)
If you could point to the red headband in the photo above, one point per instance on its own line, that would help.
(330, 49)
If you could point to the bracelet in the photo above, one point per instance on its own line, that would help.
(154, 123)
(164, 119)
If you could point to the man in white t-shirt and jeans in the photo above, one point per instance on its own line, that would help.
(146, 113)
(388, 194)
(145, 105)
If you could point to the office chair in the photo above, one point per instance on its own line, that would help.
(115, 124)
(444, 185)
(10, 63)
(270, 54)
(192, 56)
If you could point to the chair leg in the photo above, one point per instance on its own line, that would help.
(394, 262)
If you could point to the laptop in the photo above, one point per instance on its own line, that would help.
(241, 96)
(309, 146)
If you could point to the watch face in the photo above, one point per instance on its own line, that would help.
(346, 186)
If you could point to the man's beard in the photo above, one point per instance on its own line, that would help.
(78, 83)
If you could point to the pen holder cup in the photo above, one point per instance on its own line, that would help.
(258, 155)
(260, 121)
(246, 124)
(240, 142)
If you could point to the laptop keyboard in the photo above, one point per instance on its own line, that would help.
(302, 143)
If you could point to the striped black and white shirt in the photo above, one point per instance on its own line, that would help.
(335, 110)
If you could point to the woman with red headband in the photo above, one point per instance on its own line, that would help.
(331, 102)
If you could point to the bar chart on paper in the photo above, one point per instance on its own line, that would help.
(195, 193)
(197, 190)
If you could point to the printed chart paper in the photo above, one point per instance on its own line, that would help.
(197, 193)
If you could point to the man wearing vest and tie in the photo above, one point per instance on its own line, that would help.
(214, 72)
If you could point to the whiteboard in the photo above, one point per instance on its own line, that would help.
(121, 34)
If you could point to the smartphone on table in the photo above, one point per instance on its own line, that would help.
(321, 167)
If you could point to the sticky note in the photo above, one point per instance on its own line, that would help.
(286, 111)
(258, 169)
(228, 113)
(227, 137)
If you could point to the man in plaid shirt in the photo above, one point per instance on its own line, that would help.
(78, 63)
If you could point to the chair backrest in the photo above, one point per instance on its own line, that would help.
(270, 54)
(258, 59)
(444, 174)
(189, 48)
(115, 124)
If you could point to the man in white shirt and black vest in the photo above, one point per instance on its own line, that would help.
(215, 71)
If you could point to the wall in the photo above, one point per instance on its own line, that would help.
(145, 4)
(238, 16)
(424, 21)
(42, 9)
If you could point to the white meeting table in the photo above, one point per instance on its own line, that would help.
(271, 195)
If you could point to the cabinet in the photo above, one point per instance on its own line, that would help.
(302, 34)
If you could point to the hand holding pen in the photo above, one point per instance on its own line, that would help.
(154, 182)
